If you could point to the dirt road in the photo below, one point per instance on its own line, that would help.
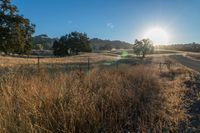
(193, 64)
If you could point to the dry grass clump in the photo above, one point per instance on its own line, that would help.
(129, 100)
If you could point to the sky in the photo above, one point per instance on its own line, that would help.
(124, 20)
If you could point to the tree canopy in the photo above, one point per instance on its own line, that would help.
(143, 47)
(72, 43)
(44, 40)
(15, 30)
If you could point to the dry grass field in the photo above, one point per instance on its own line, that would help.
(127, 98)
(139, 98)
(83, 58)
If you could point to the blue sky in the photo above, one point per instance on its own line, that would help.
(123, 20)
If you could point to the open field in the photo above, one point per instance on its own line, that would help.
(157, 51)
(108, 56)
(164, 51)
(125, 97)
(79, 59)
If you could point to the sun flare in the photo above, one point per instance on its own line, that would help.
(158, 35)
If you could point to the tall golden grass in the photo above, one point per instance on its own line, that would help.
(131, 100)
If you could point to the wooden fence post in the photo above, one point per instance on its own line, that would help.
(88, 64)
(160, 66)
(38, 62)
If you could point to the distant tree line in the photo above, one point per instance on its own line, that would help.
(72, 44)
(95, 43)
(192, 47)
(15, 30)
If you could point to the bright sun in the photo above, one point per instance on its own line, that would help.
(158, 35)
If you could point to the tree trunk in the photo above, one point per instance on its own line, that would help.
(143, 55)
(76, 52)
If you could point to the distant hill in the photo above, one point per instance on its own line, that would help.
(44, 40)
(99, 44)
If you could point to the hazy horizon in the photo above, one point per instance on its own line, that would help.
(114, 19)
